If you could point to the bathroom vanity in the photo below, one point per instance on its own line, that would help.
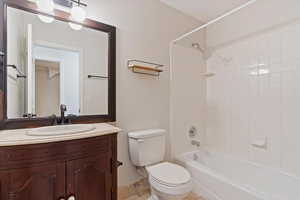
(68, 167)
(52, 64)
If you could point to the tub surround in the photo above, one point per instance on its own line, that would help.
(220, 176)
(19, 136)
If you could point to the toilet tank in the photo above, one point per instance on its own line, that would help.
(147, 147)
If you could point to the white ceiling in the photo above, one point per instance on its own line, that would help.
(204, 10)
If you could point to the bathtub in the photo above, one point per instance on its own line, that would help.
(222, 177)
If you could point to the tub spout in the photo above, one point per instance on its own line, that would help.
(196, 143)
(195, 157)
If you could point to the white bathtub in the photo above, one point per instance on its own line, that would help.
(222, 177)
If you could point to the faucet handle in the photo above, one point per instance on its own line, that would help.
(63, 107)
(70, 117)
(54, 118)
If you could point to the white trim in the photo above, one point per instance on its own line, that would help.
(81, 65)
(56, 45)
(215, 20)
(30, 107)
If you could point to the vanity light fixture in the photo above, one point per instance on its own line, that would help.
(46, 6)
(46, 19)
(78, 14)
(75, 27)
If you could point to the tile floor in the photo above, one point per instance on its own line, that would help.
(141, 191)
(146, 196)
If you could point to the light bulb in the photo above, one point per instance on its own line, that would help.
(78, 14)
(46, 19)
(75, 27)
(46, 5)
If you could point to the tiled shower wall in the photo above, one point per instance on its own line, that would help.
(255, 96)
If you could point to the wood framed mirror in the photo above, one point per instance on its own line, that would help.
(46, 63)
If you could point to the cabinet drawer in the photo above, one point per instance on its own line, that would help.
(26, 155)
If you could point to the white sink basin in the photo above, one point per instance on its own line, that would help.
(61, 130)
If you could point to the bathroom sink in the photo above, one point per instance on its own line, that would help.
(60, 130)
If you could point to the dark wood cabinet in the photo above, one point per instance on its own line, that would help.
(83, 169)
(89, 178)
(45, 182)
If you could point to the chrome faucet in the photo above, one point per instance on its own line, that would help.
(63, 119)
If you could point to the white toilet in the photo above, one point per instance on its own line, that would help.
(168, 181)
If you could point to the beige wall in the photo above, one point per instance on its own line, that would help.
(144, 30)
(258, 17)
(187, 100)
(47, 91)
(16, 56)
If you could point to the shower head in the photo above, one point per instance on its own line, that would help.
(205, 52)
(197, 46)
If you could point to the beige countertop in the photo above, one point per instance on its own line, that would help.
(20, 137)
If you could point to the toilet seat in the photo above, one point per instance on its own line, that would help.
(170, 178)
(169, 174)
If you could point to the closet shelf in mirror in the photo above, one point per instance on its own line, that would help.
(20, 74)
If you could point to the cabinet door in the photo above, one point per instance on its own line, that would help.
(46, 182)
(89, 178)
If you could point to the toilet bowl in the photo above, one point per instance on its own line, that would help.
(169, 181)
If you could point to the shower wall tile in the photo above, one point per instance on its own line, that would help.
(290, 121)
(243, 107)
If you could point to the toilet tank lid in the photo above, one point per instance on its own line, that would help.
(146, 133)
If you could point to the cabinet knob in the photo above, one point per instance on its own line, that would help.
(119, 164)
(72, 197)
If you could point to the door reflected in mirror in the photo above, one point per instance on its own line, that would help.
(50, 64)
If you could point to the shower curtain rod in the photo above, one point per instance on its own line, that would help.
(214, 20)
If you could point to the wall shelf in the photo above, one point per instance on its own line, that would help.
(143, 67)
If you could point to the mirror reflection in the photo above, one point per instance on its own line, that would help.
(52, 64)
